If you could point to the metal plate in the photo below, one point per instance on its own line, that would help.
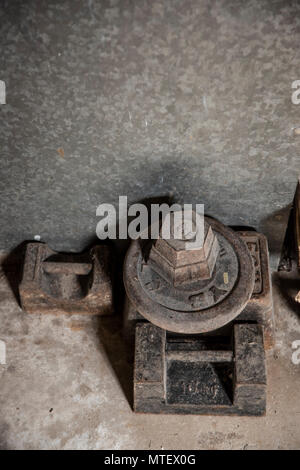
(201, 319)
(196, 296)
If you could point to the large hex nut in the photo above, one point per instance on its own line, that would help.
(176, 264)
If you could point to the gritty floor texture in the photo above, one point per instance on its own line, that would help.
(67, 382)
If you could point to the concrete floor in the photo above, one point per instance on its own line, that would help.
(67, 385)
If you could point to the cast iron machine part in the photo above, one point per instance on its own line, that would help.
(69, 283)
(202, 320)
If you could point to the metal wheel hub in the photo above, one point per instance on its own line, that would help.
(201, 303)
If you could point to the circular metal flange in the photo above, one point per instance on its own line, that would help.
(197, 295)
(199, 307)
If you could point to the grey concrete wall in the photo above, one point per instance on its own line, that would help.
(146, 98)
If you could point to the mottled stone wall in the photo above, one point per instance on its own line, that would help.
(146, 98)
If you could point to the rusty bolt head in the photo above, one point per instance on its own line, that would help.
(172, 260)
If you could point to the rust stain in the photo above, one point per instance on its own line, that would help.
(61, 152)
(76, 326)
